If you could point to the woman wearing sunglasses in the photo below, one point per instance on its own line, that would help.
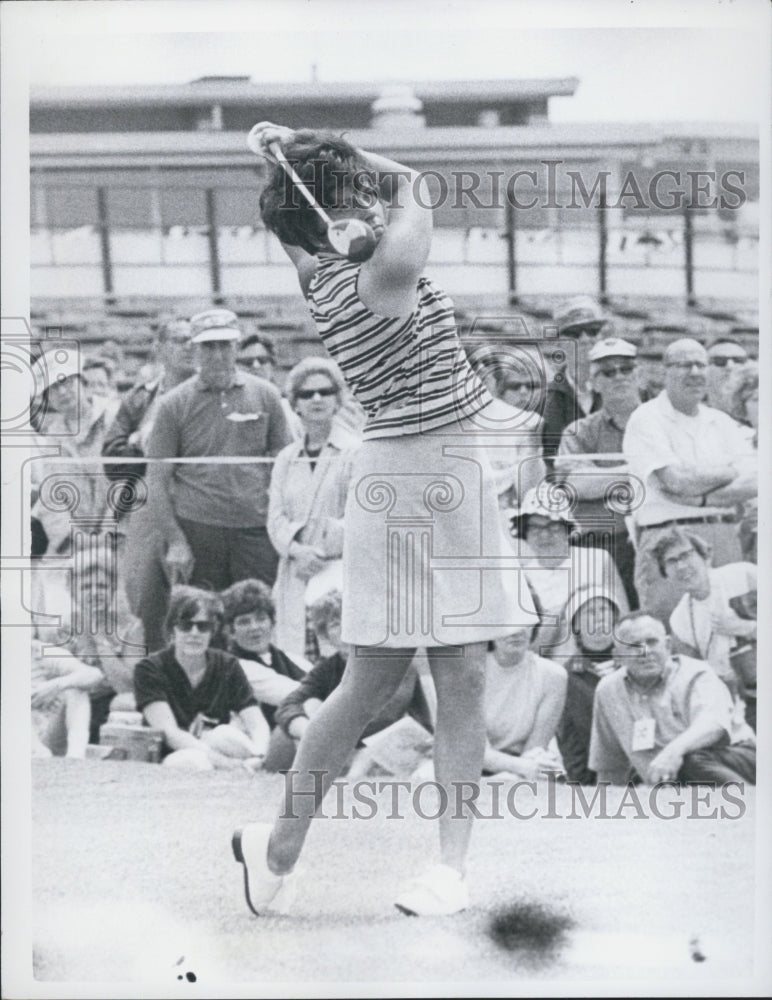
(308, 496)
(197, 696)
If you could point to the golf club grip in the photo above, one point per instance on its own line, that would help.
(278, 152)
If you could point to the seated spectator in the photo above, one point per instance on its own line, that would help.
(309, 484)
(696, 466)
(557, 571)
(94, 628)
(294, 713)
(199, 697)
(524, 698)
(745, 409)
(593, 618)
(715, 620)
(613, 377)
(249, 618)
(61, 706)
(665, 717)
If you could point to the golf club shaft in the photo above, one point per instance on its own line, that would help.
(277, 151)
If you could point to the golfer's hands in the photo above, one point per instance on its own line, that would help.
(263, 134)
(179, 561)
(308, 560)
(665, 766)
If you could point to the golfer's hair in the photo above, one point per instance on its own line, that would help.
(304, 369)
(677, 536)
(332, 170)
(248, 597)
(186, 602)
(325, 611)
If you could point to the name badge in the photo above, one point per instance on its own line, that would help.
(643, 734)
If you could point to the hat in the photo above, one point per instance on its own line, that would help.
(555, 505)
(613, 347)
(581, 311)
(214, 324)
(55, 365)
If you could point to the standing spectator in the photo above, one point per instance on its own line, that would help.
(695, 464)
(143, 571)
(309, 485)
(524, 698)
(612, 370)
(99, 374)
(715, 620)
(725, 356)
(257, 355)
(192, 692)
(665, 717)
(593, 616)
(212, 516)
(569, 394)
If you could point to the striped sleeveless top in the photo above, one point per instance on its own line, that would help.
(410, 372)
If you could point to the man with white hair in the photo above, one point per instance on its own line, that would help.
(695, 465)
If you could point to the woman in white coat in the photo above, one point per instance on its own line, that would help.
(308, 496)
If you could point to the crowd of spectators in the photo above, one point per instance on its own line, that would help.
(214, 493)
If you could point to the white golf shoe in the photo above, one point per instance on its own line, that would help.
(265, 892)
(439, 892)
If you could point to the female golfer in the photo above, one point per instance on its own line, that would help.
(423, 550)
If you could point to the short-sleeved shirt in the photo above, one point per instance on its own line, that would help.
(657, 435)
(592, 435)
(688, 689)
(410, 372)
(223, 689)
(245, 419)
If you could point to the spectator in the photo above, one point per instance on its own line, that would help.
(61, 707)
(295, 712)
(668, 718)
(695, 465)
(257, 355)
(143, 570)
(309, 484)
(613, 378)
(250, 615)
(745, 409)
(558, 571)
(725, 356)
(70, 420)
(524, 698)
(99, 374)
(715, 620)
(651, 372)
(593, 617)
(569, 394)
(212, 516)
(191, 692)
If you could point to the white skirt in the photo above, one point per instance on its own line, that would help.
(425, 560)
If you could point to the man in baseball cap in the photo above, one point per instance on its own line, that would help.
(613, 378)
(569, 394)
(212, 516)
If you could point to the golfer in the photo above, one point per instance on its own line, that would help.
(421, 509)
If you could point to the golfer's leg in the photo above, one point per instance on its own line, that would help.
(369, 681)
(459, 743)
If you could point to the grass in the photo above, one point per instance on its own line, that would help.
(133, 874)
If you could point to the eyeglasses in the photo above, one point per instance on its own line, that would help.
(517, 386)
(575, 332)
(310, 393)
(556, 526)
(722, 362)
(200, 625)
(687, 365)
(608, 371)
(256, 361)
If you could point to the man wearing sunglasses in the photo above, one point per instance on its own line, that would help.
(569, 394)
(726, 357)
(696, 465)
(613, 377)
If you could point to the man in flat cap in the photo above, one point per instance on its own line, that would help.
(212, 516)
